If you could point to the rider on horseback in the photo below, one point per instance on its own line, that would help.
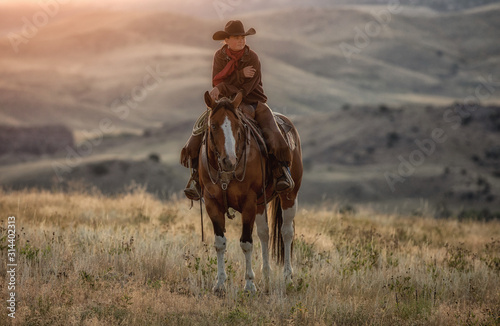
(236, 68)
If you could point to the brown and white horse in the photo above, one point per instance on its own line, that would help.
(233, 174)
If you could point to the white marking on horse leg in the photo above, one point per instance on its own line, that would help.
(263, 232)
(247, 248)
(287, 233)
(220, 248)
(230, 143)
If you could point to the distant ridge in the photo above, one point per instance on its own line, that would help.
(80, 67)
(130, 83)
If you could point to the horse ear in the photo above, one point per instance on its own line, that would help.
(237, 100)
(208, 100)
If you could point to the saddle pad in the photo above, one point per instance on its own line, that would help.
(256, 133)
(285, 129)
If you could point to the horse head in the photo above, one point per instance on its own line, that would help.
(225, 130)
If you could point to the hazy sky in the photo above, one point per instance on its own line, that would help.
(211, 9)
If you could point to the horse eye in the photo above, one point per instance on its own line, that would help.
(213, 126)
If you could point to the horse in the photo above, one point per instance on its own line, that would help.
(235, 173)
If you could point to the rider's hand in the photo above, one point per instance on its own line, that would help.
(215, 93)
(249, 71)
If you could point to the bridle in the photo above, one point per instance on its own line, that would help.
(239, 158)
(219, 175)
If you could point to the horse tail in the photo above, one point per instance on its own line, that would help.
(276, 216)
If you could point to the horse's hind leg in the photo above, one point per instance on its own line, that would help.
(263, 232)
(247, 248)
(289, 208)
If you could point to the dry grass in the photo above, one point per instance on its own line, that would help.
(88, 259)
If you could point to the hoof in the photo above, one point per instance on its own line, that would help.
(267, 288)
(267, 279)
(219, 290)
(250, 288)
(288, 278)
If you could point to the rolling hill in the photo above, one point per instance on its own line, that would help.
(79, 66)
(135, 78)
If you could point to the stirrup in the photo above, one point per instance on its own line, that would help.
(285, 182)
(193, 190)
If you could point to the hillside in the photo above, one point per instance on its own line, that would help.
(396, 154)
(388, 157)
(81, 67)
(130, 82)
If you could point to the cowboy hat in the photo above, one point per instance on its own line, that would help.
(232, 28)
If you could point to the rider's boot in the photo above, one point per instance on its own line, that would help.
(284, 180)
(189, 158)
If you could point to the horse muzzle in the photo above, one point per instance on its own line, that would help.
(228, 164)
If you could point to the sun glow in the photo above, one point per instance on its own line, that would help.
(123, 4)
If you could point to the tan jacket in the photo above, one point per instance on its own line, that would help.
(251, 88)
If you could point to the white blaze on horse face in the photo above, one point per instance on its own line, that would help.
(230, 142)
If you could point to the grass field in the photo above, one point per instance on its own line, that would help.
(87, 259)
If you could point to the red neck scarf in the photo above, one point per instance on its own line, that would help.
(230, 67)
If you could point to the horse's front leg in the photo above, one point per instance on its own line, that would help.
(246, 244)
(220, 248)
(219, 224)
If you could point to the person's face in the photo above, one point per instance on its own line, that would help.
(236, 43)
